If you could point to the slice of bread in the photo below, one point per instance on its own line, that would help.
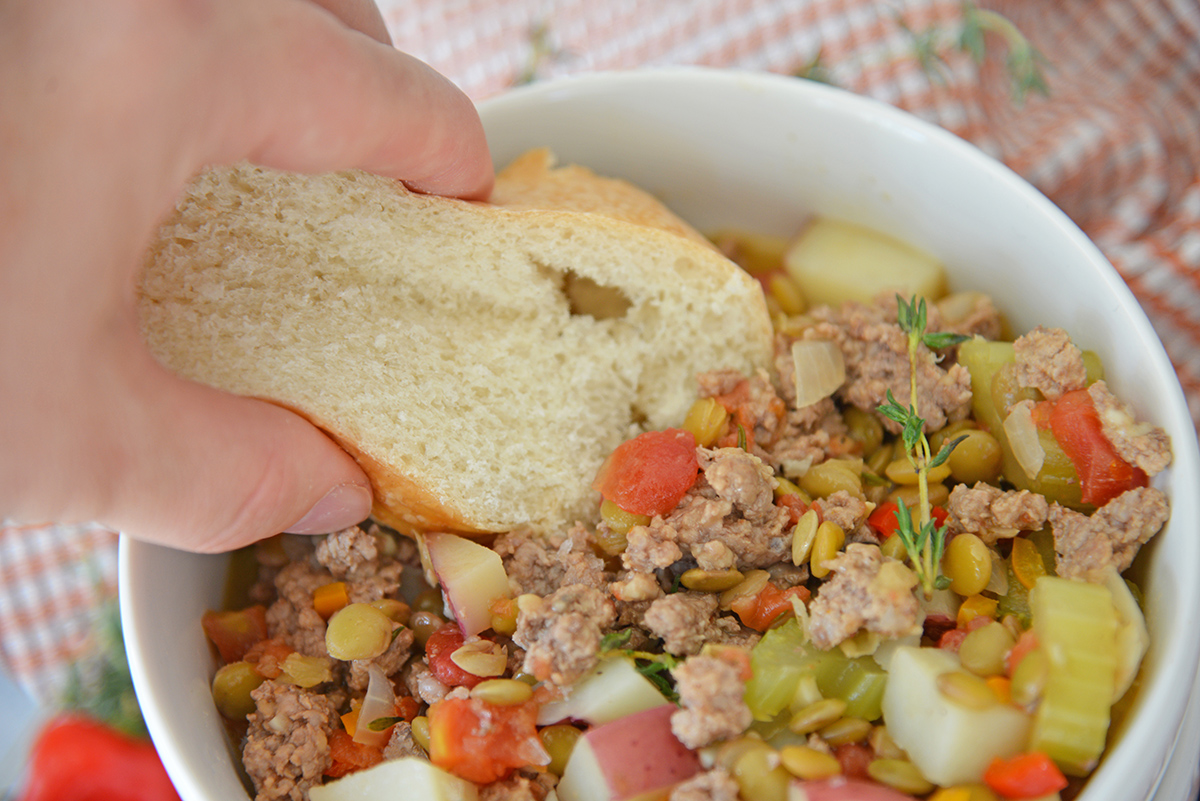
(479, 360)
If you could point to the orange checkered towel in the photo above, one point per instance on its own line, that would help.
(1114, 141)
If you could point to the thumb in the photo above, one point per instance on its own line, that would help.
(204, 470)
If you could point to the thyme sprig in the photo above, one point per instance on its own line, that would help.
(923, 539)
(1023, 61)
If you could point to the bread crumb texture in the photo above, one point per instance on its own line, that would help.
(480, 360)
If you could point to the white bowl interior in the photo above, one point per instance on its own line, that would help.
(764, 152)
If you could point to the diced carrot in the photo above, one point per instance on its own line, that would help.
(347, 756)
(1027, 563)
(329, 598)
(1001, 686)
(350, 721)
(1029, 775)
(976, 606)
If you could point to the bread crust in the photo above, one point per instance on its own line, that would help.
(245, 239)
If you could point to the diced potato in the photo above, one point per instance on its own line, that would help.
(471, 575)
(634, 758)
(405, 779)
(835, 261)
(1132, 637)
(613, 690)
(950, 742)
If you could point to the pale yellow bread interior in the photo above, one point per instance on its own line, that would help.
(479, 360)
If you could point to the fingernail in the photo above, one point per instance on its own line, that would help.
(343, 506)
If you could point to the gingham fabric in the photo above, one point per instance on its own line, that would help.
(1116, 144)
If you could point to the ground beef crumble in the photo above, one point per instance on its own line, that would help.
(685, 621)
(993, 513)
(1141, 444)
(287, 745)
(711, 702)
(1088, 548)
(539, 563)
(711, 785)
(1047, 361)
(868, 591)
(561, 633)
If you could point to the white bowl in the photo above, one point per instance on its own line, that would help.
(763, 152)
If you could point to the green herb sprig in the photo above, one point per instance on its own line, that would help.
(1023, 61)
(924, 541)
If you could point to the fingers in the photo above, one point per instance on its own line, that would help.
(207, 471)
(361, 15)
(298, 90)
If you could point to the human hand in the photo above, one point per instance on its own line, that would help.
(108, 109)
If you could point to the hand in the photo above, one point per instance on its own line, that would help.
(108, 109)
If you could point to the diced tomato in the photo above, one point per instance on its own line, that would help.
(1024, 644)
(854, 759)
(740, 403)
(759, 611)
(1029, 775)
(234, 632)
(438, 649)
(347, 756)
(407, 707)
(884, 521)
(952, 639)
(483, 742)
(795, 506)
(650, 474)
(1075, 424)
(268, 655)
(78, 758)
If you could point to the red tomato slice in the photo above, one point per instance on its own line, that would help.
(235, 632)
(650, 474)
(1103, 475)
(438, 649)
(483, 742)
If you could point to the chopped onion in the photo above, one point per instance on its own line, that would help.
(378, 704)
(1023, 439)
(820, 370)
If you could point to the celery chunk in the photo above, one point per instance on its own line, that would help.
(1076, 626)
(784, 655)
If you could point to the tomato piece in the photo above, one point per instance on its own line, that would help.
(267, 656)
(759, 611)
(854, 759)
(483, 742)
(407, 707)
(883, 519)
(1029, 775)
(1024, 644)
(438, 649)
(884, 522)
(795, 507)
(75, 757)
(650, 474)
(347, 756)
(1076, 426)
(236, 631)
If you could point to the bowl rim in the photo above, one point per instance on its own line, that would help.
(1179, 670)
